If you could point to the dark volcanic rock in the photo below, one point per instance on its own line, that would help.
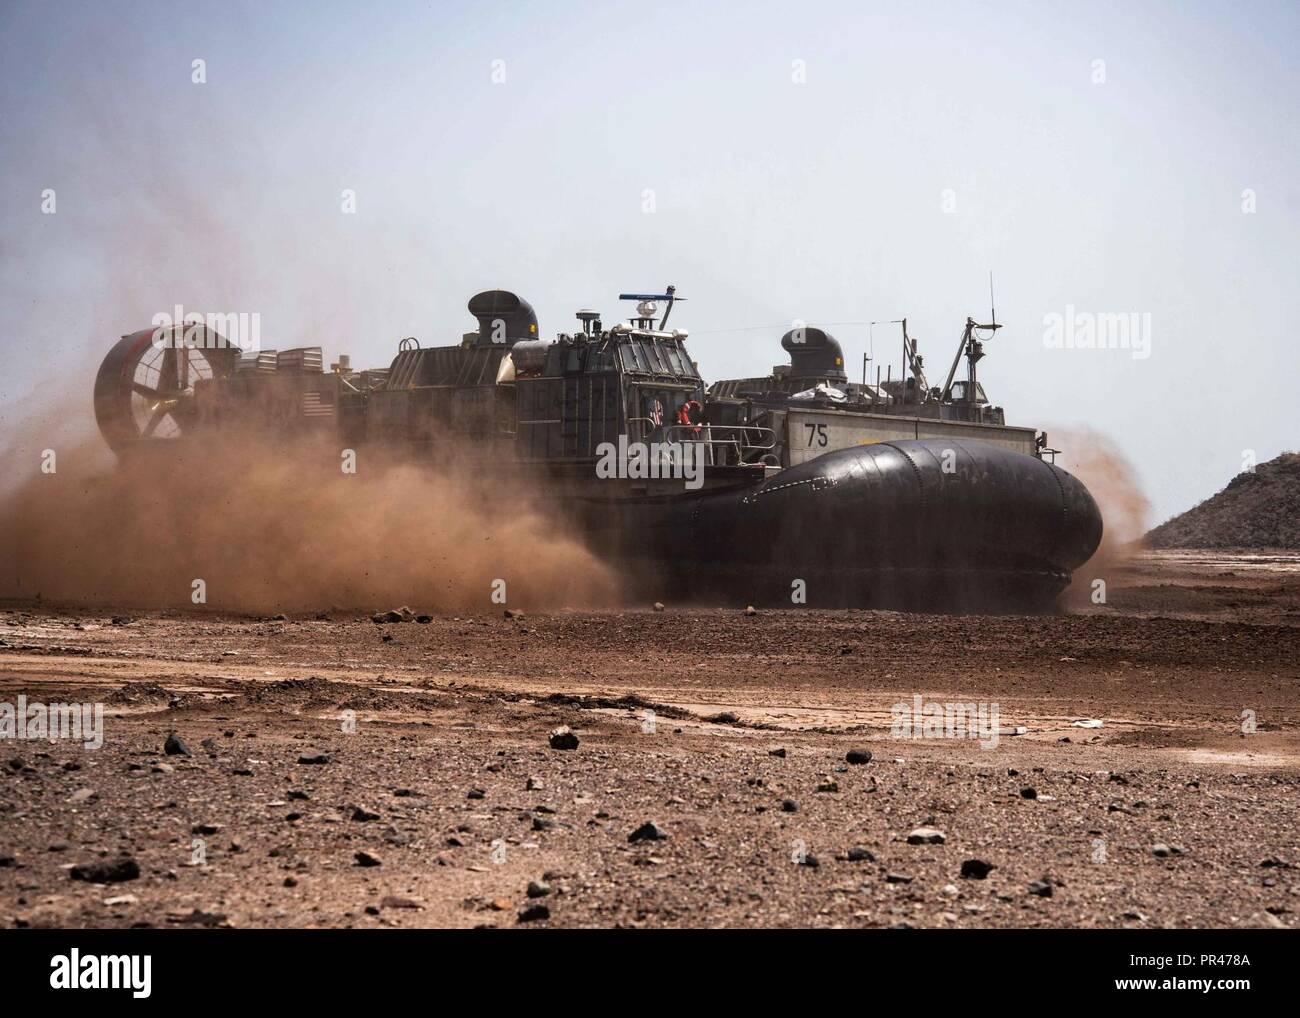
(563, 738)
(976, 869)
(648, 831)
(112, 871)
(176, 746)
(858, 756)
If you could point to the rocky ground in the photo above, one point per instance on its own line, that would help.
(331, 771)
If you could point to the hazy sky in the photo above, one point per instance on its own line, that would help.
(832, 162)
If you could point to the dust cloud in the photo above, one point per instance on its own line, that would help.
(1097, 461)
(272, 526)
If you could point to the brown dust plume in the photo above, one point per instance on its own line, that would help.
(1125, 509)
(273, 527)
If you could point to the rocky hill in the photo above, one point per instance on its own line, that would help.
(1255, 510)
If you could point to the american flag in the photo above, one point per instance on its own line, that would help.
(314, 406)
(656, 413)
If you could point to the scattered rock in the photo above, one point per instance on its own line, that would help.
(860, 853)
(396, 901)
(175, 746)
(196, 917)
(658, 606)
(563, 738)
(1041, 888)
(538, 889)
(926, 836)
(897, 878)
(367, 859)
(314, 760)
(533, 785)
(110, 872)
(779, 751)
(476, 793)
(648, 831)
(976, 869)
(751, 611)
(858, 756)
(535, 913)
(206, 829)
(789, 806)
(1028, 793)
(510, 613)
(363, 815)
(828, 784)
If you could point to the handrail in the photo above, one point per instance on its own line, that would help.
(735, 437)
(710, 440)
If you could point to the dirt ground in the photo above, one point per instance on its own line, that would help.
(729, 732)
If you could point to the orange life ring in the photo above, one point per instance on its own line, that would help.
(691, 414)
